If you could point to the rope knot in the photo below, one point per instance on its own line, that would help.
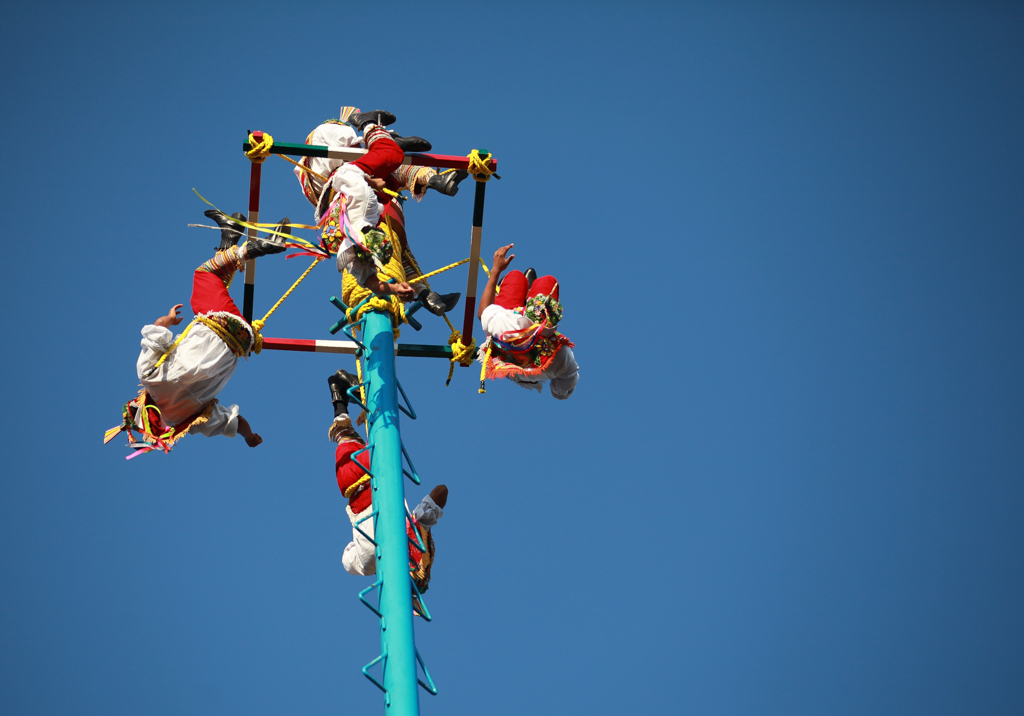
(259, 150)
(461, 353)
(480, 166)
(257, 326)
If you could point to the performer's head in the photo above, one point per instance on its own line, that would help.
(375, 244)
(542, 308)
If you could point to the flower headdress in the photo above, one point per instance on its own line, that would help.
(542, 308)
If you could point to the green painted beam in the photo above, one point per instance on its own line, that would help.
(298, 150)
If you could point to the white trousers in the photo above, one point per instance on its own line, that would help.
(360, 556)
(361, 203)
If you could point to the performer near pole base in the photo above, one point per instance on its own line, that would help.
(181, 377)
(520, 321)
(359, 557)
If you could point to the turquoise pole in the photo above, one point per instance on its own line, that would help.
(396, 628)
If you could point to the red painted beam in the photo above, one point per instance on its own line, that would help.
(443, 161)
(308, 346)
(289, 344)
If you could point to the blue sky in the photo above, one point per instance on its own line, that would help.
(789, 243)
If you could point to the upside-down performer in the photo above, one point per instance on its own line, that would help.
(359, 557)
(520, 321)
(359, 219)
(181, 377)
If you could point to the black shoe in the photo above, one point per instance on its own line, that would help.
(284, 226)
(531, 276)
(410, 144)
(447, 184)
(254, 248)
(377, 116)
(230, 232)
(438, 304)
(340, 382)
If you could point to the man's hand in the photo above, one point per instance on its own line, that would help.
(172, 318)
(253, 439)
(377, 184)
(403, 290)
(500, 261)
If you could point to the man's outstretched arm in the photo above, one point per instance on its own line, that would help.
(501, 263)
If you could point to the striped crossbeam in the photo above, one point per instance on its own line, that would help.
(349, 348)
(350, 154)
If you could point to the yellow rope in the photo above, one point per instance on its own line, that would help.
(425, 276)
(461, 353)
(170, 350)
(231, 341)
(259, 150)
(258, 324)
(479, 167)
(303, 167)
(353, 294)
(351, 489)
